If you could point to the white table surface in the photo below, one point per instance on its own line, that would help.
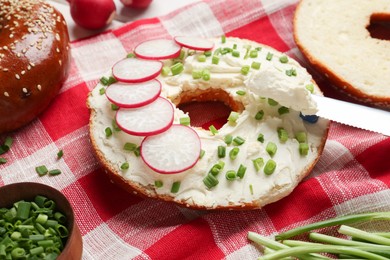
(124, 14)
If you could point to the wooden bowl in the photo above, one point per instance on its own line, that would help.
(27, 191)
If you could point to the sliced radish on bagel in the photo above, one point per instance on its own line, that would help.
(131, 95)
(194, 43)
(132, 70)
(173, 151)
(151, 119)
(158, 49)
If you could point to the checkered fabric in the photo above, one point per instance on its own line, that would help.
(352, 175)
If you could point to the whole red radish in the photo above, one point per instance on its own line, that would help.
(136, 3)
(92, 14)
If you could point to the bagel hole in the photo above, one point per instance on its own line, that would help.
(379, 26)
(208, 107)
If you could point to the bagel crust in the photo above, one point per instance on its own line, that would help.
(34, 59)
(243, 94)
(334, 38)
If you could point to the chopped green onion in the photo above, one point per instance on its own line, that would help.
(115, 126)
(235, 53)
(241, 171)
(230, 175)
(129, 147)
(175, 187)
(272, 102)
(182, 54)
(185, 121)
(260, 138)
(23, 210)
(107, 81)
(137, 151)
(269, 56)
(301, 137)
(158, 183)
(303, 149)
(233, 117)
(165, 71)
(282, 134)
(253, 54)
(221, 151)
(240, 92)
(125, 166)
(201, 58)
(130, 55)
(207, 53)
(6, 145)
(102, 91)
(108, 131)
(234, 152)
(206, 75)
(60, 154)
(197, 74)
(215, 60)
(3, 160)
(283, 110)
(213, 130)
(216, 169)
(251, 189)
(258, 163)
(223, 39)
(210, 181)
(114, 107)
(271, 148)
(177, 68)
(283, 59)
(41, 170)
(259, 115)
(228, 139)
(256, 65)
(291, 72)
(310, 88)
(238, 140)
(245, 70)
(270, 167)
(54, 172)
(202, 153)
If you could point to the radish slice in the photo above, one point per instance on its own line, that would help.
(151, 119)
(133, 70)
(131, 95)
(194, 43)
(158, 49)
(173, 151)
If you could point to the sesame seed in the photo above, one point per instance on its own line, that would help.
(6, 94)
(17, 76)
(60, 62)
(58, 50)
(39, 87)
(11, 36)
(24, 90)
(23, 72)
(5, 69)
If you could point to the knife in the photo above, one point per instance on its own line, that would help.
(367, 118)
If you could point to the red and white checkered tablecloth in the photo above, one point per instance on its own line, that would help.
(353, 174)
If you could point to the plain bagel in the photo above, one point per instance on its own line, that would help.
(34, 59)
(252, 160)
(333, 36)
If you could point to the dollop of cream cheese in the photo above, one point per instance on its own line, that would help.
(290, 92)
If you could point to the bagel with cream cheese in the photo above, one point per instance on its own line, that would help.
(270, 142)
(34, 59)
(333, 35)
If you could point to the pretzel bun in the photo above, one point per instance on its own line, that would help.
(333, 35)
(34, 60)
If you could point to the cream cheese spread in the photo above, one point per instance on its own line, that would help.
(277, 79)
